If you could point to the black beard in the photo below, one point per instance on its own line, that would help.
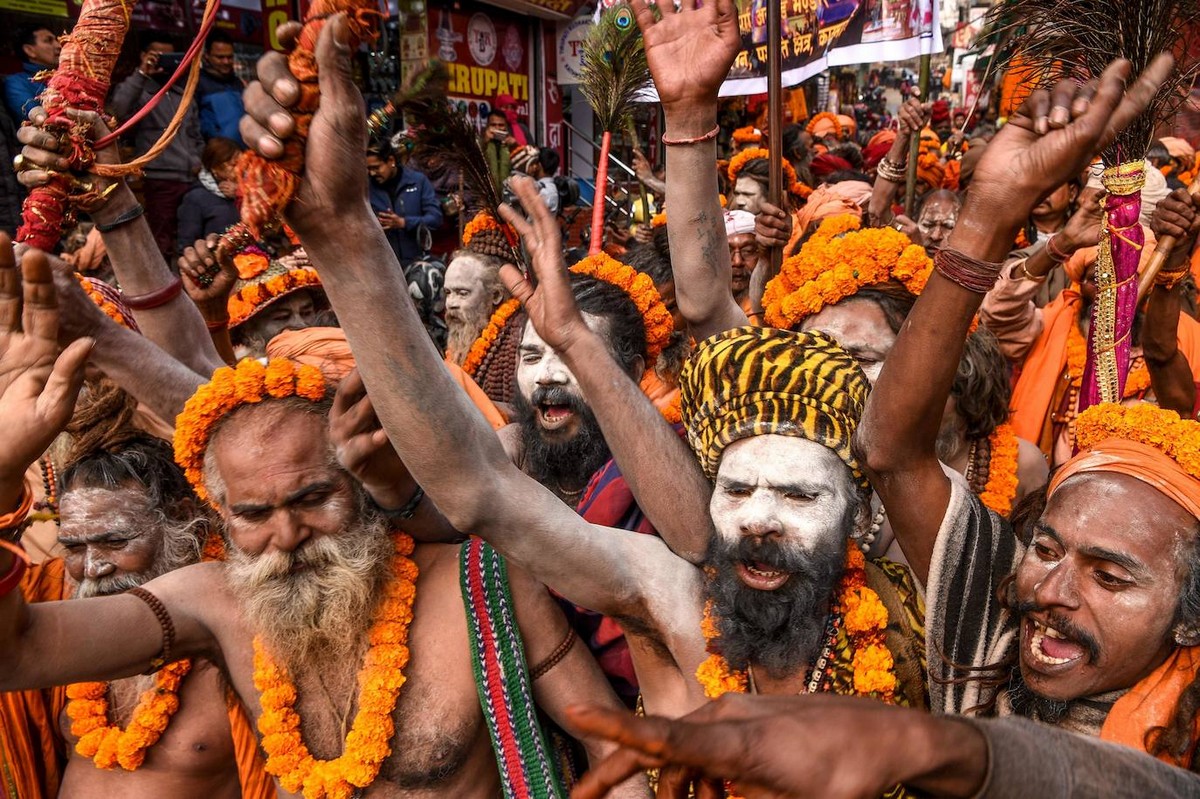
(778, 630)
(562, 465)
(1024, 702)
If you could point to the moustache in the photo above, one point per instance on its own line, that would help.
(768, 552)
(556, 395)
(1063, 625)
(107, 586)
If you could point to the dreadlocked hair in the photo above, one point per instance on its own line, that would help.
(491, 243)
(981, 386)
(103, 421)
(142, 461)
(497, 372)
(1175, 739)
(626, 327)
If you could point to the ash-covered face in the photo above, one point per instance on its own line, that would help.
(748, 195)
(114, 540)
(861, 328)
(783, 509)
(1098, 590)
(470, 303)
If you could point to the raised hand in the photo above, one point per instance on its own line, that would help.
(912, 117)
(208, 278)
(39, 381)
(550, 304)
(363, 448)
(1055, 135)
(1083, 228)
(335, 181)
(45, 155)
(689, 50)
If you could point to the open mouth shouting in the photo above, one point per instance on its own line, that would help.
(553, 416)
(760, 576)
(1049, 650)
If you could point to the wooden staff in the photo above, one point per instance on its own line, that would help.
(775, 188)
(1162, 251)
(914, 146)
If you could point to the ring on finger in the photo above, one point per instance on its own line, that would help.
(20, 163)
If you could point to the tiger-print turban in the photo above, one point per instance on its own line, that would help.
(754, 381)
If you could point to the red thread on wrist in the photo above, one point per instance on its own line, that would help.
(712, 134)
(971, 274)
(1056, 255)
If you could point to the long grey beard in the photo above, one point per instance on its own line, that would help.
(320, 614)
(461, 335)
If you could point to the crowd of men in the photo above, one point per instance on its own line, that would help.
(292, 519)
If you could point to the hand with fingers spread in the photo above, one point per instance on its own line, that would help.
(690, 49)
(550, 305)
(39, 380)
(209, 276)
(334, 180)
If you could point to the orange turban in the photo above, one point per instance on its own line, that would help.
(847, 197)
(327, 349)
(930, 170)
(1140, 461)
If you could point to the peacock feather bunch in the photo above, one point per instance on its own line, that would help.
(614, 72)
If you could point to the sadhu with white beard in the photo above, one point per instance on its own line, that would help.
(351, 648)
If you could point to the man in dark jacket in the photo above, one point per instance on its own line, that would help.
(171, 174)
(38, 48)
(404, 201)
(220, 90)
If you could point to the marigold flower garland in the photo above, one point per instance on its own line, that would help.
(251, 298)
(640, 288)
(791, 181)
(831, 267)
(864, 617)
(380, 679)
(109, 746)
(485, 221)
(487, 338)
(827, 116)
(247, 383)
(747, 135)
(1137, 382)
(1177, 438)
(1001, 488)
(100, 301)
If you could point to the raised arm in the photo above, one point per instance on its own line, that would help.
(58, 642)
(447, 445)
(890, 176)
(1171, 375)
(663, 475)
(1047, 142)
(689, 52)
(163, 311)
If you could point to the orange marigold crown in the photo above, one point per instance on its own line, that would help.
(261, 284)
(747, 134)
(483, 222)
(739, 161)
(829, 269)
(246, 384)
(640, 288)
(1175, 437)
(825, 116)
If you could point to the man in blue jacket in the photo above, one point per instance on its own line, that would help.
(404, 201)
(220, 90)
(38, 48)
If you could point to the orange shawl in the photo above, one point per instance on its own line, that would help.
(1151, 703)
(1047, 362)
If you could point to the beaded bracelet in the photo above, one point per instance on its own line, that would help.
(712, 134)
(891, 172)
(164, 621)
(124, 219)
(555, 657)
(971, 274)
(409, 509)
(156, 298)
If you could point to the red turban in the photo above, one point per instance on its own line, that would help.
(826, 164)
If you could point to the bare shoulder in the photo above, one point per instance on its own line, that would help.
(199, 598)
(510, 439)
(1032, 469)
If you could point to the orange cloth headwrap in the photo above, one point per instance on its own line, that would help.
(1140, 461)
(847, 197)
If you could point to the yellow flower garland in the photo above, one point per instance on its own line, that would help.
(487, 338)
(1177, 438)
(1002, 483)
(836, 262)
(865, 618)
(380, 679)
(247, 383)
(109, 746)
(640, 288)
